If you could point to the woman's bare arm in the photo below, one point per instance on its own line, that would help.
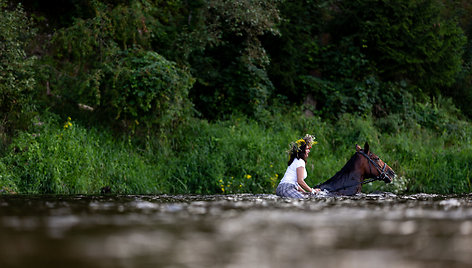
(301, 181)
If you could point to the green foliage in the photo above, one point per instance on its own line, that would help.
(237, 155)
(69, 159)
(362, 67)
(239, 89)
(16, 70)
(93, 65)
(230, 66)
(7, 182)
(403, 39)
(365, 97)
(144, 87)
(232, 156)
(296, 50)
(132, 24)
(461, 91)
(218, 39)
(358, 51)
(244, 53)
(430, 162)
(73, 66)
(243, 22)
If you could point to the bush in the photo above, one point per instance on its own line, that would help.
(142, 87)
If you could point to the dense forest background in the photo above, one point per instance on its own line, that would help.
(204, 96)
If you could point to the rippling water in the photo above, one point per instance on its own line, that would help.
(374, 230)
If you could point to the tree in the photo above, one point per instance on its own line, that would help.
(461, 90)
(407, 40)
(106, 62)
(230, 67)
(16, 69)
(295, 51)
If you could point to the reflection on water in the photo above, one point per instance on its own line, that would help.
(375, 230)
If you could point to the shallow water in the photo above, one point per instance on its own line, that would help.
(374, 230)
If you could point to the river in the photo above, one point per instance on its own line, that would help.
(244, 230)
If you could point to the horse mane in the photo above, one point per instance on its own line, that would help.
(343, 178)
(347, 167)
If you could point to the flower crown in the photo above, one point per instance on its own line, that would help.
(296, 146)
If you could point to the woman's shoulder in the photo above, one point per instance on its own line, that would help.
(298, 162)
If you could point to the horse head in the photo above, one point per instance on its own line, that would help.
(363, 165)
(373, 166)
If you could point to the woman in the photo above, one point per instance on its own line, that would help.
(293, 183)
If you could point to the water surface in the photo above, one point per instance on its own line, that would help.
(245, 230)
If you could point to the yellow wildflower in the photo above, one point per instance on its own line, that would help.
(68, 123)
(248, 176)
(300, 142)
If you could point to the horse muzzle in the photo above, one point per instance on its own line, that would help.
(388, 176)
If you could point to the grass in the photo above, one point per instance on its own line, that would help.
(237, 155)
(66, 158)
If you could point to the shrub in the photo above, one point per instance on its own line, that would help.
(142, 87)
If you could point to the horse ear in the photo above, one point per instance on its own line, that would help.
(366, 148)
(358, 148)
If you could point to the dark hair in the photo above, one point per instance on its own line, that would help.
(298, 148)
(295, 153)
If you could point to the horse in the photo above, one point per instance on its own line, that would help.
(363, 165)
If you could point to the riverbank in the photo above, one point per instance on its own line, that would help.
(431, 154)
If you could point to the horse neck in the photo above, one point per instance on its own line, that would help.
(348, 171)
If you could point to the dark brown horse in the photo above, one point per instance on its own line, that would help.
(363, 165)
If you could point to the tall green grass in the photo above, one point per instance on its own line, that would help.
(66, 158)
(430, 152)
